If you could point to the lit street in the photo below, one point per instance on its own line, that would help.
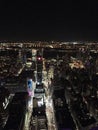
(50, 89)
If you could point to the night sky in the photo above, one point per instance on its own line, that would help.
(28, 20)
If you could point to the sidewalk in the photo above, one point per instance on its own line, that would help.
(50, 114)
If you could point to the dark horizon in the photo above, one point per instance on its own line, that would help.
(47, 21)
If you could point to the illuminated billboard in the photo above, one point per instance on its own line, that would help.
(30, 87)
